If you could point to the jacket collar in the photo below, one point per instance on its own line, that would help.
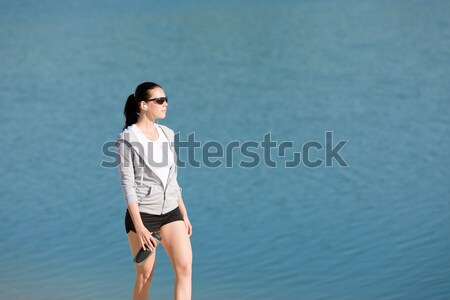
(133, 140)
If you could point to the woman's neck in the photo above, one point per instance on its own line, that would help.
(146, 125)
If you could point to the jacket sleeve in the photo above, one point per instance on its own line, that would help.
(125, 155)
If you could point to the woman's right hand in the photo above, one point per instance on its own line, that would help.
(146, 238)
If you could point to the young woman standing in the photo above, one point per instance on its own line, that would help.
(148, 172)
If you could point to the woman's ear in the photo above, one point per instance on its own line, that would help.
(143, 105)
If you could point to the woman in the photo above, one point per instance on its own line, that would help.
(148, 171)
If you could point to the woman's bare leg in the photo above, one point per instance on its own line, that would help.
(144, 272)
(177, 244)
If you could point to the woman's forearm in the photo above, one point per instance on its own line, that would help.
(135, 215)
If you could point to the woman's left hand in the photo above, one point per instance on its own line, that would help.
(188, 226)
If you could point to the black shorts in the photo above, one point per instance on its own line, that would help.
(153, 222)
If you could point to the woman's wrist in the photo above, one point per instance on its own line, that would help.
(139, 227)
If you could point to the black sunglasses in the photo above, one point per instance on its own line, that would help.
(159, 100)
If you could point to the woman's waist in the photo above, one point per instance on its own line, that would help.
(155, 193)
(157, 206)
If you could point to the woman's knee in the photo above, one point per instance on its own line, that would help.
(144, 274)
(184, 268)
(144, 278)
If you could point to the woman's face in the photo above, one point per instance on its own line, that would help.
(152, 108)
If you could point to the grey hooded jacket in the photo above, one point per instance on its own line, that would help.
(140, 183)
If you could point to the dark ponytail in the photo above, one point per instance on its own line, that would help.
(131, 110)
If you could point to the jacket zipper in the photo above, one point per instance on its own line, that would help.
(170, 177)
(165, 189)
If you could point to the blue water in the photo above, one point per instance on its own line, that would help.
(375, 73)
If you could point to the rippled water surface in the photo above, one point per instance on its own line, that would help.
(375, 73)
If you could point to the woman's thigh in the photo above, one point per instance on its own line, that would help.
(177, 244)
(147, 267)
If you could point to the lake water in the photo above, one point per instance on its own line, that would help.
(374, 73)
